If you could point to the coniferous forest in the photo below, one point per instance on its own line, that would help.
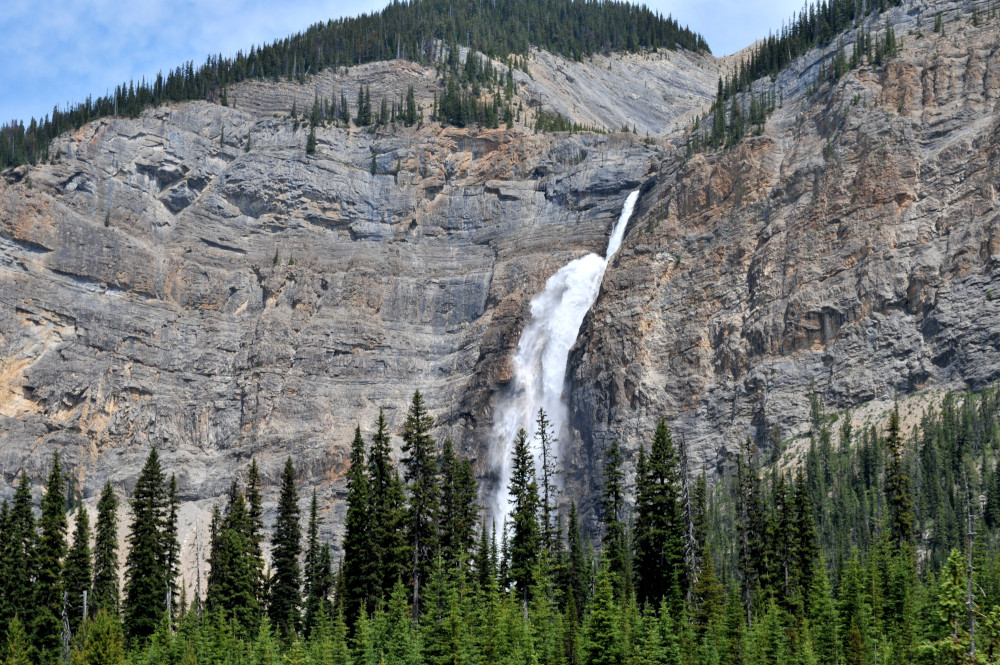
(422, 31)
(856, 546)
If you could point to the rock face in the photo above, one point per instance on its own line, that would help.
(853, 247)
(161, 285)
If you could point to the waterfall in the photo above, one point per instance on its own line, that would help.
(540, 364)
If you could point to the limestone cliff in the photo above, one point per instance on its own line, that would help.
(161, 285)
(853, 247)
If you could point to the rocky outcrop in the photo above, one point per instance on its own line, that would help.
(852, 249)
(162, 285)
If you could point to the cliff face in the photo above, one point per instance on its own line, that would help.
(161, 285)
(854, 247)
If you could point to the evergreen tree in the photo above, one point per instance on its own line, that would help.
(525, 538)
(146, 580)
(613, 503)
(77, 571)
(318, 573)
(547, 480)
(171, 547)
(311, 142)
(18, 562)
(576, 571)
(48, 586)
(603, 640)
(103, 643)
(286, 582)
(422, 476)
(388, 517)
(361, 583)
(106, 553)
(17, 650)
(659, 527)
(897, 485)
(459, 508)
(231, 580)
(255, 535)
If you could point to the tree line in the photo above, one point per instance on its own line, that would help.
(413, 30)
(873, 548)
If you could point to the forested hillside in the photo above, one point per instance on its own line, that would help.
(424, 31)
(883, 544)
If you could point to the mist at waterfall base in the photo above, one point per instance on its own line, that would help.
(540, 364)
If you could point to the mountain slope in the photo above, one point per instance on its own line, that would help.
(852, 249)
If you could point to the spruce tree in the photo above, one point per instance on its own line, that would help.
(897, 485)
(459, 509)
(255, 534)
(171, 547)
(77, 572)
(422, 477)
(18, 564)
(17, 648)
(231, 580)
(318, 573)
(603, 642)
(106, 553)
(146, 579)
(576, 574)
(525, 537)
(613, 503)
(659, 528)
(48, 586)
(547, 479)
(286, 582)
(360, 583)
(388, 518)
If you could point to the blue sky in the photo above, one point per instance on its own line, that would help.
(59, 51)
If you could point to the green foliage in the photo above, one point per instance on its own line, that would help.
(410, 30)
(106, 553)
(147, 581)
(424, 485)
(525, 539)
(77, 570)
(286, 545)
(48, 585)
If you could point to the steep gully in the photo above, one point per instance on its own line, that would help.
(540, 364)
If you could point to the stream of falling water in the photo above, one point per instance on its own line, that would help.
(540, 364)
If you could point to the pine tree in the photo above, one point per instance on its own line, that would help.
(318, 573)
(146, 580)
(77, 571)
(286, 582)
(659, 529)
(575, 570)
(18, 563)
(231, 580)
(311, 142)
(106, 553)
(255, 535)
(48, 587)
(613, 503)
(360, 582)
(388, 517)
(103, 643)
(603, 640)
(525, 538)
(422, 477)
(171, 548)
(17, 650)
(547, 479)
(897, 485)
(459, 510)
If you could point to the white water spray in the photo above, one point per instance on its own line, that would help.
(540, 364)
